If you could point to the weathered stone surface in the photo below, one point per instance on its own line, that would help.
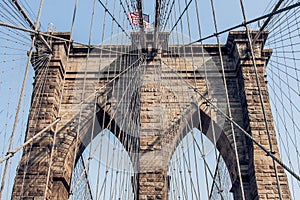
(162, 108)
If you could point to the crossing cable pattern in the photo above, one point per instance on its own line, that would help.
(195, 156)
(282, 75)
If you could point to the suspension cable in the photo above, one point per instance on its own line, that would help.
(20, 100)
(252, 55)
(228, 105)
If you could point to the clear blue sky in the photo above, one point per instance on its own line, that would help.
(228, 15)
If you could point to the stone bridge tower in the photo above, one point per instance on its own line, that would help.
(157, 113)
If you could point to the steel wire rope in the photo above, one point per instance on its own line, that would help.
(107, 126)
(172, 89)
(80, 118)
(268, 153)
(95, 102)
(281, 4)
(12, 16)
(48, 35)
(276, 40)
(86, 178)
(129, 114)
(274, 33)
(198, 113)
(275, 30)
(285, 127)
(14, 40)
(19, 103)
(37, 108)
(295, 68)
(5, 126)
(193, 64)
(29, 10)
(188, 165)
(205, 38)
(4, 140)
(125, 13)
(207, 165)
(285, 111)
(11, 154)
(114, 139)
(228, 102)
(246, 23)
(108, 149)
(17, 12)
(284, 39)
(215, 176)
(164, 11)
(292, 89)
(181, 15)
(183, 190)
(114, 19)
(169, 14)
(252, 56)
(201, 152)
(178, 83)
(17, 33)
(106, 174)
(282, 142)
(101, 52)
(181, 69)
(280, 47)
(269, 6)
(14, 5)
(60, 101)
(206, 81)
(129, 10)
(205, 162)
(289, 94)
(125, 141)
(175, 179)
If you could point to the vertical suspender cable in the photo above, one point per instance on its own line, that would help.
(21, 97)
(60, 103)
(84, 87)
(102, 125)
(228, 104)
(208, 91)
(260, 95)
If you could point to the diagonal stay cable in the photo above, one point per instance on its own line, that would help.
(179, 18)
(246, 23)
(31, 23)
(115, 20)
(109, 123)
(7, 163)
(219, 110)
(125, 13)
(259, 87)
(239, 171)
(11, 153)
(169, 14)
(37, 32)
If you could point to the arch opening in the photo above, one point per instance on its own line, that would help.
(103, 170)
(197, 169)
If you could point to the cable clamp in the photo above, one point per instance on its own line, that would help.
(10, 153)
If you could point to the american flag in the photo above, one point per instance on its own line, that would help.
(135, 19)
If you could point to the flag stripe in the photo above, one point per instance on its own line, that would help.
(135, 19)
